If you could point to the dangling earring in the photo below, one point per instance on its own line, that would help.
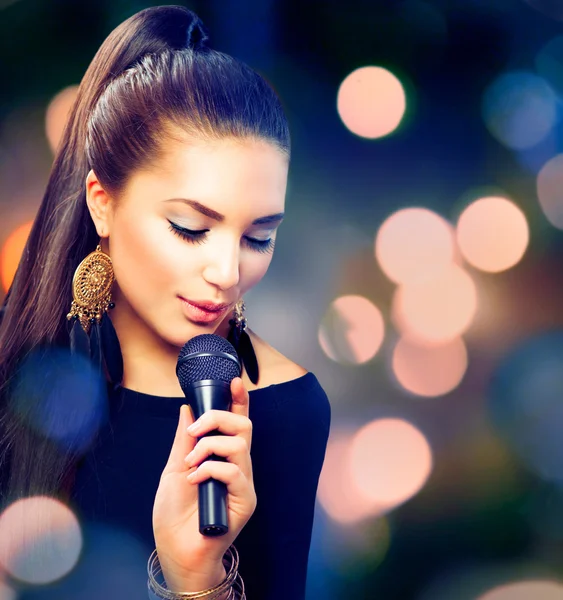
(92, 333)
(240, 339)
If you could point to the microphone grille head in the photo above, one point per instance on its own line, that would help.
(197, 368)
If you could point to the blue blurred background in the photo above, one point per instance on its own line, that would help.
(417, 273)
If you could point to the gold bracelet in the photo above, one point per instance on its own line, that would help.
(154, 569)
(238, 586)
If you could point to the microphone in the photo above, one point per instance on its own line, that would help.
(206, 366)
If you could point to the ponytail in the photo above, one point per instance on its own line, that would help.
(153, 70)
(35, 308)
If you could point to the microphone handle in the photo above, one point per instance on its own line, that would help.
(204, 395)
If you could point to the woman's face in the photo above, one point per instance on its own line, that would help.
(231, 192)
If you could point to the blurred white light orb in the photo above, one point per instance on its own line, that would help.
(371, 102)
(414, 244)
(436, 311)
(493, 234)
(40, 540)
(352, 330)
(338, 494)
(429, 371)
(390, 461)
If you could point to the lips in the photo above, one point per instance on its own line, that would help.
(197, 313)
(207, 305)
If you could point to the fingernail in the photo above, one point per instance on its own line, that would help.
(191, 475)
(189, 457)
(193, 427)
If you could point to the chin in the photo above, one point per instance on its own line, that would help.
(180, 336)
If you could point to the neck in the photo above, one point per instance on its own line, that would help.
(149, 362)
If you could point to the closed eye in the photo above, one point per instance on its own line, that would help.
(199, 237)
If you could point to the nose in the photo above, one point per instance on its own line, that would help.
(222, 268)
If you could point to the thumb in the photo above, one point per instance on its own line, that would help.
(241, 399)
(183, 442)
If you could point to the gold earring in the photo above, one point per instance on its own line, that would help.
(91, 289)
(242, 343)
(239, 318)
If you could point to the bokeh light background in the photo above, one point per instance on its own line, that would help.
(419, 275)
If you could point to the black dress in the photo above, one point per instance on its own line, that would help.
(117, 480)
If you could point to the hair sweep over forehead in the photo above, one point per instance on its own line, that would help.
(153, 76)
(204, 93)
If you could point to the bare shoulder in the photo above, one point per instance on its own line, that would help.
(274, 366)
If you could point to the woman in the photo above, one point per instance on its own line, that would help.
(174, 165)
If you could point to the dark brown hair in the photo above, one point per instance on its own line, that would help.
(152, 76)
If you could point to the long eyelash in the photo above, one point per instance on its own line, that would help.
(199, 238)
(261, 245)
(187, 234)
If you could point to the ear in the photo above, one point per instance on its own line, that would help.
(99, 204)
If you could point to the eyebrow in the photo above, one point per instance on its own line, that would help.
(212, 214)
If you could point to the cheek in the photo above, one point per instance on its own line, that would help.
(254, 268)
(145, 262)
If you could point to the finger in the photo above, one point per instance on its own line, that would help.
(233, 448)
(183, 444)
(240, 396)
(235, 480)
(223, 421)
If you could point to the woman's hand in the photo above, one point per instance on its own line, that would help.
(191, 561)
